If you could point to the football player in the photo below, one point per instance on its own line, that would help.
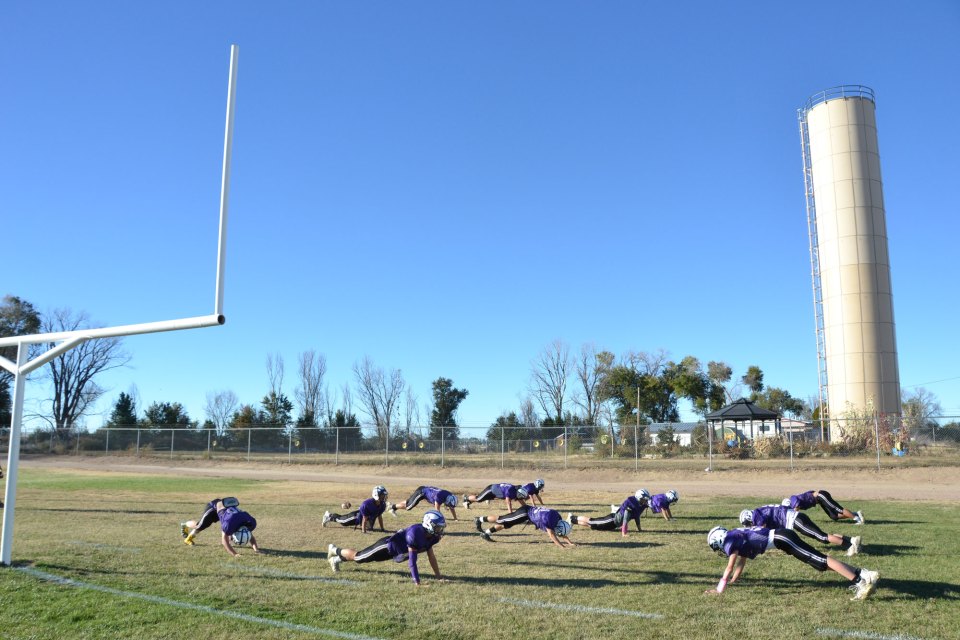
(547, 520)
(533, 491)
(236, 526)
(831, 507)
(505, 491)
(405, 544)
(439, 498)
(661, 502)
(370, 511)
(740, 545)
(619, 517)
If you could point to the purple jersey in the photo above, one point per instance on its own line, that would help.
(371, 509)
(415, 537)
(658, 502)
(802, 501)
(630, 509)
(543, 518)
(231, 519)
(435, 495)
(749, 543)
(773, 516)
(504, 490)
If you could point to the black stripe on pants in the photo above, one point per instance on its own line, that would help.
(790, 543)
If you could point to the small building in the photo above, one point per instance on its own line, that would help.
(745, 418)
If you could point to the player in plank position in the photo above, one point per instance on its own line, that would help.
(619, 518)
(548, 520)
(236, 526)
(533, 491)
(776, 516)
(661, 502)
(405, 544)
(740, 545)
(833, 509)
(439, 498)
(505, 491)
(370, 511)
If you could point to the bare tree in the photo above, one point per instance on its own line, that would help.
(528, 414)
(72, 373)
(549, 374)
(379, 393)
(591, 368)
(920, 409)
(220, 407)
(275, 371)
(411, 412)
(309, 394)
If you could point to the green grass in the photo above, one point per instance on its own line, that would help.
(120, 532)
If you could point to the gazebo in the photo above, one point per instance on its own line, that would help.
(743, 412)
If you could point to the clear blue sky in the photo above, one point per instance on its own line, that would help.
(447, 187)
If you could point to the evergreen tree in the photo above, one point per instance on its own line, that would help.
(446, 401)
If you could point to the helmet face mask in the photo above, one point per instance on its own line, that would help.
(538, 483)
(715, 538)
(451, 501)
(746, 517)
(642, 494)
(434, 522)
(673, 496)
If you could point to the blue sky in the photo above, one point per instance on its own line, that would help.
(448, 187)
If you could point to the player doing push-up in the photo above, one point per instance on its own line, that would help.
(776, 516)
(547, 520)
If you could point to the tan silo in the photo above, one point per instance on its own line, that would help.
(853, 299)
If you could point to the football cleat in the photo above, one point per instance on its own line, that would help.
(614, 508)
(570, 517)
(466, 503)
(326, 518)
(188, 540)
(479, 522)
(486, 536)
(392, 508)
(858, 517)
(866, 585)
(854, 546)
(334, 563)
(184, 530)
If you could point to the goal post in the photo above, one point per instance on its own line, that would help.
(65, 340)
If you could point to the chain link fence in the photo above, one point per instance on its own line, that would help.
(864, 436)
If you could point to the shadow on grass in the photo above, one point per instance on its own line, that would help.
(321, 555)
(618, 544)
(645, 576)
(560, 583)
(886, 549)
(871, 521)
(922, 589)
(75, 510)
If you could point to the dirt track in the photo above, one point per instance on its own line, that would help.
(941, 484)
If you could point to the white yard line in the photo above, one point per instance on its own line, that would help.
(580, 608)
(863, 635)
(193, 607)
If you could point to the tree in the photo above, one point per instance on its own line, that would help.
(168, 415)
(779, 400)
(719, 374)
(446, 401)
(72, 373)
(591, 369)
(753, 378)
(379, 394)
(920, 408)
(124, 412)
(309, 393)
(549, 374)
(277, 410)
(220, 407)
(511, 428)
(17, 318)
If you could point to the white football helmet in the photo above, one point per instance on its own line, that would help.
(746, 517)
(522, 493)
(563, 529)
(672, 495)
(434, 522)
(785, 502)
(241, 536)
(715, 538)
(379, 491)
(538, 483)
(451, 501)
(642, 494)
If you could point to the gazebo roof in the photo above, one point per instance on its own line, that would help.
(742, 410)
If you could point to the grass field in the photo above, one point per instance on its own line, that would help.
(99, 555)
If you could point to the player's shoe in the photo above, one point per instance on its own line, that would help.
(478, 521)
(854, 546)
(486, 536)
(184, 530)
(466, 502)
(570, 517)
(392, 508)
(188, 540)
(334, 563)
(858, 517)
(614, 508)
(326, 518)
(866, 585)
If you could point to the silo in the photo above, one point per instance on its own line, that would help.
(853, 299)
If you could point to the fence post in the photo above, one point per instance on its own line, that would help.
(502, 447)
(876, 431)
(336, 449)
(386, 450)
(172, 434)
(106, 450)
(289, 447)
(138, 442)
(566, 440)
(78, 443)
(442, 435)
(209, 432)
(249, 432)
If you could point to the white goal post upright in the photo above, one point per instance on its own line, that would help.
(70, 339)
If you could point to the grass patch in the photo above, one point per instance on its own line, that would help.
(120, 533)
